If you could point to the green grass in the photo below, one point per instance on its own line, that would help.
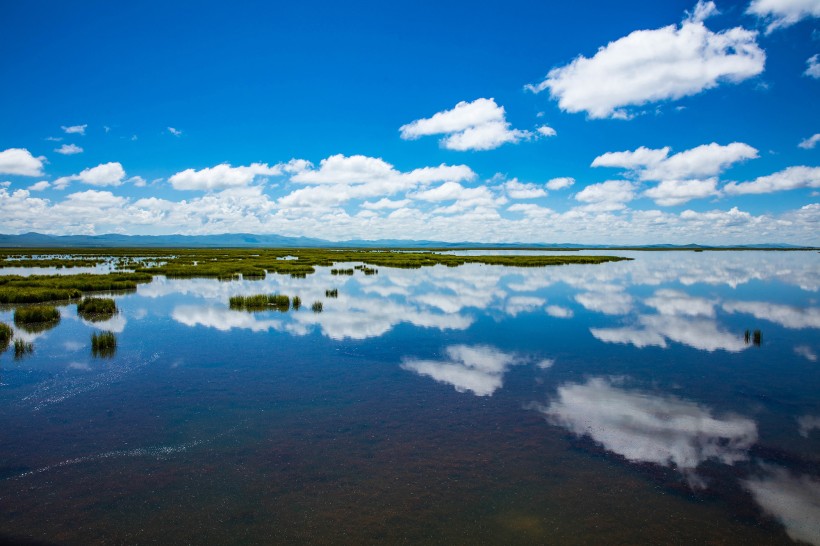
(97, 309)
(44, 288)
(297, 303)
(334, 293)
(37, 318)
(317, 307)
(103, 344)
(6, 333)
(22, 348)
(260, 302)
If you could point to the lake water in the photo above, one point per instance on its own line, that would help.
(594, 404)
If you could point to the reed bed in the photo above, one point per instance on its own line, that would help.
(6, 333)
(296, 303)
(22, 348)
(103, 344)
(317, 307)
(97, 309)
(260, 302)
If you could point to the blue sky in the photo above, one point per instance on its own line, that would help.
(590, 122)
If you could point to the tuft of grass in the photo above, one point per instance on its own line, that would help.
(334, 293)
(97, 309)
(37, 318)
(6, 333)
(297, 303)
(341, 271)
(317, 307)
(103, 345)
(22, 348)
(260, 302)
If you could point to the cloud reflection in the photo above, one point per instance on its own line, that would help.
(792, 500)
(478, 369)
(641, 427)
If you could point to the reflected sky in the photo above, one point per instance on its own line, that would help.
(646, 359)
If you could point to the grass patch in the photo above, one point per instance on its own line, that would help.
(297, 303)
(103, 344)
(6, 333)
(97, 309)
(317, 307)
(260, 302)
(37, 318)
(334, 293)
(341, 271)
(22, 348)
(45, 288)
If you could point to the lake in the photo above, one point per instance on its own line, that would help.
(674, 398)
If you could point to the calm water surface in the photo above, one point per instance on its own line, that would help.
(614, 403)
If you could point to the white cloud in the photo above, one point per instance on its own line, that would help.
(175, 132)
(75, 129)
(221, 176)
(810, 143)
(546, 131)
(560, 183)
(791, 499)
(20, 162)
(477, 125)
(612, 194)
(649, 428)
(105, 174)
(813, 67)
(654, 65)
(559, 312)
(479, 369)
(522, 190)
(39, 186)
(787, 179)
(808, 423)
(783, 13)
(69, 149)
(702, 161)
(806, 352)
(385, 203)
(675, 192)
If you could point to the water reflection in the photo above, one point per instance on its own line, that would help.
(794, 500)
(478, 369)
(642, 427)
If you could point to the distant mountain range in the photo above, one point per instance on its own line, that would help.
(249, 240)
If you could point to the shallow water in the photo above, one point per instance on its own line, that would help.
(612, 403)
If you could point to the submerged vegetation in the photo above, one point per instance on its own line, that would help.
(37, 318)
(97, 309)
(261, 302)
(22, 348)
(103, 344)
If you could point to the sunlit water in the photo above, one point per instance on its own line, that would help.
(605, 404)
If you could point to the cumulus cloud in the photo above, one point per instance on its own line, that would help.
(609, 195)
(20, 162)
(221, 176)
(676, 192)
(478, 369)
(69, 149)
(75, 129)
(787, 179)
(39, 186)
(656, 164)
(546, 130)
(560, 183)
(786, 315)
(783, 13)
(341, 178)
(522, 190)
(649, 428)
(813, 67)
(105, 174)
(477, 125)
(810, 142)
(654, 65)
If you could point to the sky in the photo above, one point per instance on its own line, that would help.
(594, 122)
